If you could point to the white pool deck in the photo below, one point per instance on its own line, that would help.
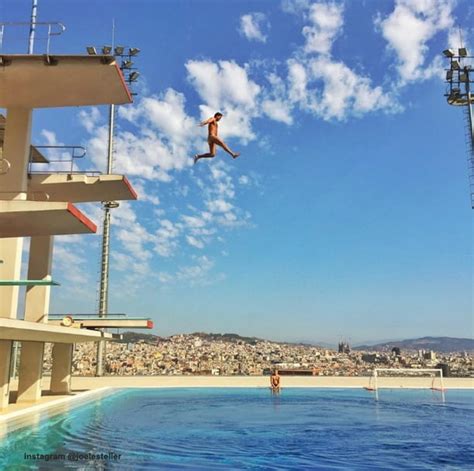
(85, 386)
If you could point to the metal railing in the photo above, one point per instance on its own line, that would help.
(53, 28)
(73, 154)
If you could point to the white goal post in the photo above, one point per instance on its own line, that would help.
(396, 372)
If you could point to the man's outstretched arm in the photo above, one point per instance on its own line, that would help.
(208, 121)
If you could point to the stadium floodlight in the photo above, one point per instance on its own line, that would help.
(106, 50)
(133, 76)
(454, 98)
(133, 51)
(119, 50)
(127, 64)
(91, 50)
(459, 74)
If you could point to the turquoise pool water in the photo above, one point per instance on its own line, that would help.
(207, 429)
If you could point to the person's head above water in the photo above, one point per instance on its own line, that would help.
(218, 115)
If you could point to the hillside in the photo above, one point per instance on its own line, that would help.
(437, 344)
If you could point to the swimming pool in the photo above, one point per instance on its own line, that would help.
(240, 428)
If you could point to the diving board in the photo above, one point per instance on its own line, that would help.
(20, 330)
(80, 188)
(108, 322)
(20, 218)
(81, 315)
(53, 81)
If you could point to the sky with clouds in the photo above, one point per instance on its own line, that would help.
(347, 214)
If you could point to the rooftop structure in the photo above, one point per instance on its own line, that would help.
(40, 205)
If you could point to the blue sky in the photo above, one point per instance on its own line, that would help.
(347, 214)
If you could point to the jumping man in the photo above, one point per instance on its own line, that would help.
(213, 140)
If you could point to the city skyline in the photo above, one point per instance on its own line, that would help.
(347, 215)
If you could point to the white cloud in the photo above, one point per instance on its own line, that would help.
(408, 30)
(320, 84)
(253, 25)
(326, 24)
(297, 80)
(90, 118)
(223, 83)
(199, 273)
(166, 239)
(344, 92)
(144, 193)
(219, 206)
(244, 180)
(295, 7)
(195, 242)
(277, 105)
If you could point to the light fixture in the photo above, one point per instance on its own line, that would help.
(119, 50)
(133, 51)
(133, 76)
(448, 53)
(127, 64)
(462, 52)
(455, 65)
(449, 75)
(454, 97)
(111, 204)
(91, 50)
(106, 50)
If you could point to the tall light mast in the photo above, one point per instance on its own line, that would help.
(130, 75)
(459, 78)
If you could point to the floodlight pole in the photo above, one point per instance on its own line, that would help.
(104, 266)
(458, 77)
(107, 206)
(104, 271)
(31, 40)
(469, 107)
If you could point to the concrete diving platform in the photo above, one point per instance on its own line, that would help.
(19, 218)
(53, 81)
(20, 330)
(80, 188)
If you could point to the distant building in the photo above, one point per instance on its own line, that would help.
(369, 357)
(396, 351)
(429, 355)
(343, 347)
(444, 367)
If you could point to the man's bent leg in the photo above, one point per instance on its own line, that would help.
(225, 147)
(211, 154)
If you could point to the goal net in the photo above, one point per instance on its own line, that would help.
(422, 378)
